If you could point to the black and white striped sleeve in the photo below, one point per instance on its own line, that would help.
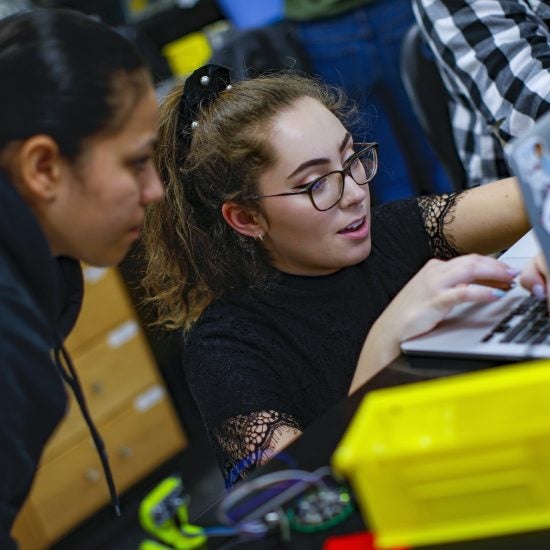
(494, 56)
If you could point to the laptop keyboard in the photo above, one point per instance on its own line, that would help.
(528, 323)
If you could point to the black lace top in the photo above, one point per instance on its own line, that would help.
(259, 361)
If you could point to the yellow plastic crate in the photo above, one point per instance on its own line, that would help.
(186, 54)
(453, 459)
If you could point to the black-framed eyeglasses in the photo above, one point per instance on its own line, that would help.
(326, 191)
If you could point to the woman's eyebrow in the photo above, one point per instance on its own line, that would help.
(307, 164)
(323, 160)
(345, 142)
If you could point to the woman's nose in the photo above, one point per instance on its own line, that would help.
(353, 193)
(153, 190)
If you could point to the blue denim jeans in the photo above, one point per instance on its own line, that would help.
(359, 51)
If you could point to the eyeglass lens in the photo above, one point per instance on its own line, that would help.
(326, 192)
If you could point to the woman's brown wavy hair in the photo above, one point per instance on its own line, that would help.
(192, 255)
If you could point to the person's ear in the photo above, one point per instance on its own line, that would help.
(38, 168)
(243, 221)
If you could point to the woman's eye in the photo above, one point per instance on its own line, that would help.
(140, 164)
(352, 162)
(303, 186)
(318, 185)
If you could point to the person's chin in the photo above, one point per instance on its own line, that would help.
(360, 253)
(109, 258)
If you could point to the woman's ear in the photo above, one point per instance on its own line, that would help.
(243, 221)
(37, 168)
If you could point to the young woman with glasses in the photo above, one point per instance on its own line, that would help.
(290, 291)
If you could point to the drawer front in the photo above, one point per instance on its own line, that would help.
(106, 304)
(72, 486)
(118, 367)
(27, 531)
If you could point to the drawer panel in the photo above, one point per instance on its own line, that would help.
(27, 532)
(118, 367)
(72, 486)
(106, 304)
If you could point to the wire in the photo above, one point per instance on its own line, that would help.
(252, 528)
(245, 532)
(216, 532)
(258, 498)
(66, 368)
(301, 478)
(235, 542)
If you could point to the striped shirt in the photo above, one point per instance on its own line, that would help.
(494, 57)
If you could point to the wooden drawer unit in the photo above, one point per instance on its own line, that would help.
(129, 405)
(72, 486)
(106, 303)
(115, 369)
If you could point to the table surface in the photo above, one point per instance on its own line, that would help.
(315, 447)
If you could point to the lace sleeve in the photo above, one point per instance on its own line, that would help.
(244, 442)
(438, 211)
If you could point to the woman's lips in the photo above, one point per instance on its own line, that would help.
(358, 229)
(135, 231)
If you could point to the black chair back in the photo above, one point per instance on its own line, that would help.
(428, 95)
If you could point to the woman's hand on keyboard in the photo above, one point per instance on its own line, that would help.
(534, 277)
(427, 299)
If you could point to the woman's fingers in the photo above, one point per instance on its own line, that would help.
(534, 277)
(470, 293)
(473, 268)
(439, 286)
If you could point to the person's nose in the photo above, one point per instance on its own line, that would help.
(153, 191)
(353, 193)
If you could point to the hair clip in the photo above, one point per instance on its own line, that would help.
(201, 88)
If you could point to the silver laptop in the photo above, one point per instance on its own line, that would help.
(517, 325)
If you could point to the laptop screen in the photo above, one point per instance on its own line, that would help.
(529, 159)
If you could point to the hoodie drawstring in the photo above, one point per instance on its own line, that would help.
(66, 368)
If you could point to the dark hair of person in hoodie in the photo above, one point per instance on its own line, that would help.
(78, 127)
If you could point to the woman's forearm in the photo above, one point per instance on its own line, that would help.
(488, 218)
(380, 349)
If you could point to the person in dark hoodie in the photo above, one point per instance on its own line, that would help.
(78, 126)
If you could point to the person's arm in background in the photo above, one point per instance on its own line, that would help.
(496, 53)
(488, 218)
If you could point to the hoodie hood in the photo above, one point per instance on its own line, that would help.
(56, 286)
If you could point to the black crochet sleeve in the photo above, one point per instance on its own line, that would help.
(240, 385)
(438, 211)
(244, 442)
